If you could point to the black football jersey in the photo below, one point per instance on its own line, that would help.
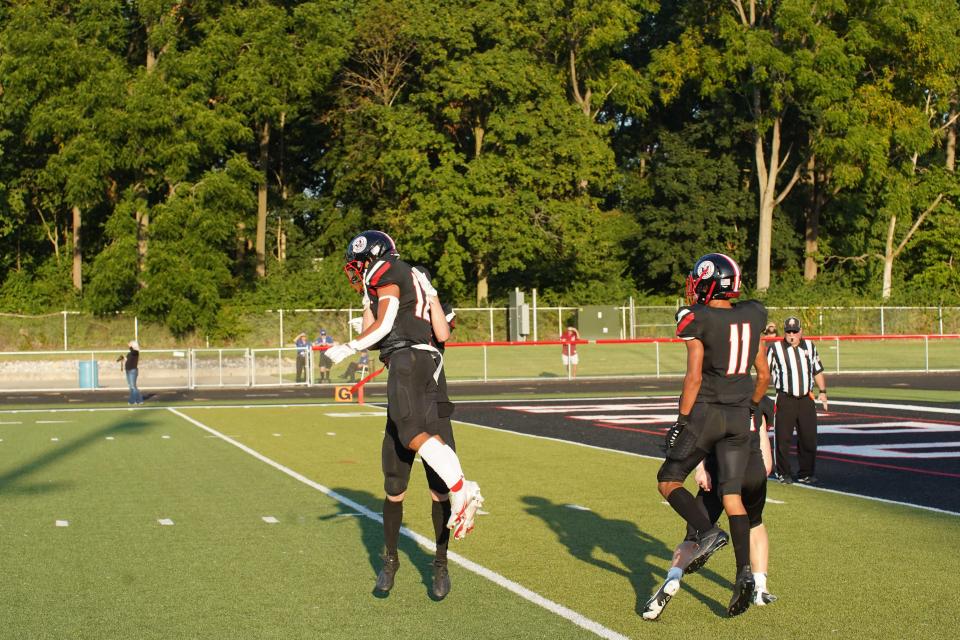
(731, 340)
(412, 325)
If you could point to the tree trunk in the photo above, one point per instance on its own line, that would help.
(482, 283)
(767, 172)
(812, 230)
(241, 246)
(143, 227)
(77, 256)
(952, 139)
(888, 259)
(262, 201)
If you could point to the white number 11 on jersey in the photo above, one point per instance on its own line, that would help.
(739, 349)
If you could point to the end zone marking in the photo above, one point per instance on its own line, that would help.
(502, 581)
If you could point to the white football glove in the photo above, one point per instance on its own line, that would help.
(356, 324)
(338, 352)
(425, 283)
(366, 299)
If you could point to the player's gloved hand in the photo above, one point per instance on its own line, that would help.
(356, 324)
(675, 431)
(754, 407)
(425, 283)
(338, 352)
(366, 299)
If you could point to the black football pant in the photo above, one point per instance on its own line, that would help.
(800, 414)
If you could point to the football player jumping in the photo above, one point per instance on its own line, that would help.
(397, 321)
(716, 404)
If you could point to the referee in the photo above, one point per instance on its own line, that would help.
(794, 366)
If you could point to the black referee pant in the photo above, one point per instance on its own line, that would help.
(800, 414)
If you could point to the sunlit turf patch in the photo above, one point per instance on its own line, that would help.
(842, 566)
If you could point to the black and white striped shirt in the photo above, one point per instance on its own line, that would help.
(793, 368)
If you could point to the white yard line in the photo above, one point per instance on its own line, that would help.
(531, 596)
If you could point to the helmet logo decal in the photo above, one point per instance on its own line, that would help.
(706, 269)
(359, 244)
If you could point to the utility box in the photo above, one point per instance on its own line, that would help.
(598, 322)
(518, 317)
(89, 374)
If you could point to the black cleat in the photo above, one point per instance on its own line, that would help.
(441, 580)
(708, 543)
(742, 592)
(808, 480)
(389, 571)
(782, 479)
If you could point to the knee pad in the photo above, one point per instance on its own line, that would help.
(394, 485)
(671, 471)
(684, 446)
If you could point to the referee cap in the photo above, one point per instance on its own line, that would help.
(791, 324)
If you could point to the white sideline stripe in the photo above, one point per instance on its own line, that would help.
(905, 407)
(270, 520)
(884, 500)
(640, 455)
(62, 523)
(166, 522)
(531, 596)
(53, 421)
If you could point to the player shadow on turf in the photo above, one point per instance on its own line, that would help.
(583, 532)
(15, 481)
(412, 555)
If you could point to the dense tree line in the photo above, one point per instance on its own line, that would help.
(186, 159)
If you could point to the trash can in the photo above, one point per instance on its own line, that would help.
(89, 374)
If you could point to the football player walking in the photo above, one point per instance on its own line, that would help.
(716, 404)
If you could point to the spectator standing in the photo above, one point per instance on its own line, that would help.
(323, 340)
(770, 330)
(130, 364)
(795, 365)
(302, 345)
(568, 351)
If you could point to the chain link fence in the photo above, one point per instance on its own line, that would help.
(273, 367)
(71, 330)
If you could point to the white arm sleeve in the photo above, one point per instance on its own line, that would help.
(378, 334)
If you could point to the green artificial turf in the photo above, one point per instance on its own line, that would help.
(580, 526)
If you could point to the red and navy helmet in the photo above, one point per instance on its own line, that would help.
(714, 277)
(366, 246)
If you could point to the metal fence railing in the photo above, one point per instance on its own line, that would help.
(29, 371)
(70, 330)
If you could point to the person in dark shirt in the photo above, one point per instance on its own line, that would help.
(718, 398)
(130, 364)
(398, 320)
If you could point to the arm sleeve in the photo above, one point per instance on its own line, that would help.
(386, 324)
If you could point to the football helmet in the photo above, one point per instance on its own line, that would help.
(366, 246)
(714, 277)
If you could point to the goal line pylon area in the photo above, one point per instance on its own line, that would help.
(345, 393)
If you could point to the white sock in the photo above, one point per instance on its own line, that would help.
(760, 579)
(444, 461)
